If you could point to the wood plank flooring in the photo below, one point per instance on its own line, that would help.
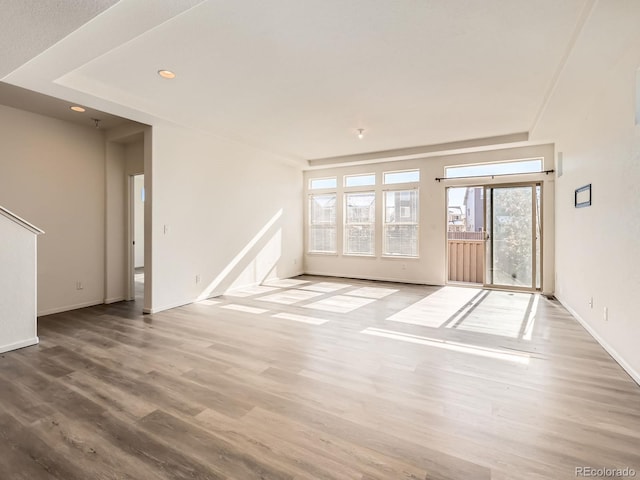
(316, 378)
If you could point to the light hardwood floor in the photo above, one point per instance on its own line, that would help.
(318, 378)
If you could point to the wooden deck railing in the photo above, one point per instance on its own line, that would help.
(466, 259)
(466, 235)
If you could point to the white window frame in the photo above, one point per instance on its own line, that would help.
(415, 223)
(347, 223)
(329, 223)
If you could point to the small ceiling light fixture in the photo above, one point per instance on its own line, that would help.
(77, 108)
(361, 133)
(166, 74)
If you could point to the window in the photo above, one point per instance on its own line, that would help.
(359, 223)
(500, 168)
(322, 223)
(318, 183)
(360, 180)
(406, 176)
(401, 223)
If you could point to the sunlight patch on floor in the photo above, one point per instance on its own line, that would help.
(371, 292)
(300, 318)
(325, 287)
(289, 297)
(244, 308)
(506, 314)
(284, 283)
(488, 352)
(250, 291)
(340, 304)
(436, 309)
(208, 302)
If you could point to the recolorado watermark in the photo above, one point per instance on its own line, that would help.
(625, 472)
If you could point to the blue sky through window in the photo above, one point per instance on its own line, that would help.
(402, 177)
(502, 168)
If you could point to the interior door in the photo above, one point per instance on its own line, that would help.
(513, 236)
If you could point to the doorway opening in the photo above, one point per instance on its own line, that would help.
(494, 236)
(136, 254)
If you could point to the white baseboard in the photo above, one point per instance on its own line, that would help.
(21, 344)
(375, 278)
(182, 303)
(169, 306)
(114, 300)
(610, 350)
(248, 285)
(51, 311)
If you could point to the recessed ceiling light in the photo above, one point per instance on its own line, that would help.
(77, 108)
(166, 74)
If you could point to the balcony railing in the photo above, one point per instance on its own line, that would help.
(466, 256)
(465, 235)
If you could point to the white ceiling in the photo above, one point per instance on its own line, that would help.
(31, 101)
(298, 77)
(28, 27)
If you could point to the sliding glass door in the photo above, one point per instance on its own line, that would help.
(465, 235)
(512, 250)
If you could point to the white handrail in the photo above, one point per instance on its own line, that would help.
(20, 221)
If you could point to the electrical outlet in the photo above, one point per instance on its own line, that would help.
(166, 229)
(197, 278)
(404, 266)
(591, 302)
(79, 285)
(605, 314)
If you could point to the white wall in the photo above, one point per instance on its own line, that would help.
(430, 266)
(591, 117)
(115, 211)
(17, 286)
(53, 173)
(222, 211)
(134, 154)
